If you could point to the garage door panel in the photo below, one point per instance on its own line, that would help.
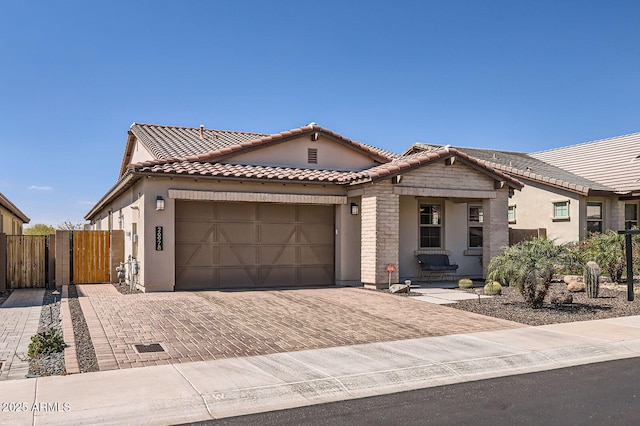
(277, 233)
(253, 245)
(316, 255)
(317, 234)
(282, 213)
(235, 212)
(277, 255)
(194, 210)
(237, 233)
(195, 231)
(279, 276)
(195, 255)
(315, 214)
(237, 255)
(245, 277)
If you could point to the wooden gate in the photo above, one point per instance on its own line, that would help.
(27, 260)
(91, 257)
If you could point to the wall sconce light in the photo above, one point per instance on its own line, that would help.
(355, 209)
(159, 203)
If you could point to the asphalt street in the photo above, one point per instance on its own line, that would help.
(606, 393)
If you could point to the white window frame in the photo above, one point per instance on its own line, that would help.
(479, 224)
(556, 204)
(511, 209)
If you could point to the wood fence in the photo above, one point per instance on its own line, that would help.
(78, 257)
(27, 259)
(91, 257)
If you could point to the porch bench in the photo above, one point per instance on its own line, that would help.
(436, 264)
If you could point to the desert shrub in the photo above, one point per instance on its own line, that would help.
(45, 342)
(530, 266)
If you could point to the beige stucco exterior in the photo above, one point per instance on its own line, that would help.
(12, 220)
(534, 207)
(384, 231)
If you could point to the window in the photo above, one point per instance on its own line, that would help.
(476, 221)
(512, 214)
(594, 217)
(312, 156)
(631, 215)
(430, 225)
(561, 210)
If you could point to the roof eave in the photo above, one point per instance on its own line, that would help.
(13, 209)
(116, 190)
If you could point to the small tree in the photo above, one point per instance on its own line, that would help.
(530, 266)
(607, 250)
(39, 229)
(69, 226)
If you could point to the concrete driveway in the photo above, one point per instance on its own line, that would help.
(210, 325)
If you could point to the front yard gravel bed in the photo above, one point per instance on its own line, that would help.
(85, 352)
(52, 364)
(610, 303)
(4, 295)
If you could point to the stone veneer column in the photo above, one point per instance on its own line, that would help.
(495, 232)
(380, 210)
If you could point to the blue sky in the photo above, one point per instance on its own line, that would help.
(516, 75)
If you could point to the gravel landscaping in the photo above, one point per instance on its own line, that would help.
(85, 352)
(4, 295)
(52, 364)
(610, 303)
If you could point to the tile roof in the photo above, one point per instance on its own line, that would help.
(245, 171)
(4, 202)
(614, 162)
(522, 165)
(169, 144)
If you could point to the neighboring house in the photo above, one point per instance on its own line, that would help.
(12, 219)
(570, 191)
(208, 209)
(613, 162)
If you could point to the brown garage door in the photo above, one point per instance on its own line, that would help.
(246, 245)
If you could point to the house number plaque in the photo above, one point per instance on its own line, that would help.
(158, 238)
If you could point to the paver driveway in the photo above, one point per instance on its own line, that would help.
(207, 325)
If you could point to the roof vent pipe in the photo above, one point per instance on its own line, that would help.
(202, 132)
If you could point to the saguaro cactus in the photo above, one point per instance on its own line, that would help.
(592, 279)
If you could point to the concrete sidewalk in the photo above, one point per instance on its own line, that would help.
(179, 393)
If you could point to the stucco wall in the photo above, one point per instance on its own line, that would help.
(347, 266)
(9, 223)
(140, 153)
(331, 155)
(534, 209)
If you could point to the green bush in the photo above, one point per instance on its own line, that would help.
(45, 343)
(530, 266)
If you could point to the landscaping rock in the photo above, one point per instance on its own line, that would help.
(561, 298)
(575, 283)
(399, 288)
